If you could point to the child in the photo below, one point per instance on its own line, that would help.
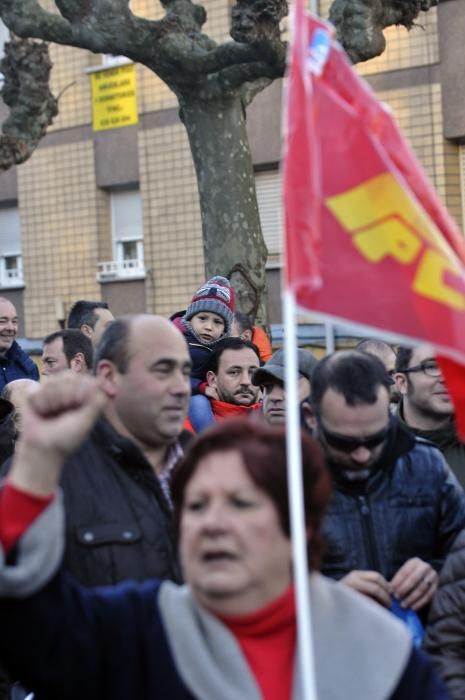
(206, 320)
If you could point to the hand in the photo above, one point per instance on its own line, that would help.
(369, 583)
(211, 392)
(55, 421)
(415, 584)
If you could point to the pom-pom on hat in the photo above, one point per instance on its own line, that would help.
(216, 296)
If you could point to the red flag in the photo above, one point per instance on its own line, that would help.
(367, 238)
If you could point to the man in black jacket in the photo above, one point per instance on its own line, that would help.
(116, 485)
(426, 409)
(396, 507)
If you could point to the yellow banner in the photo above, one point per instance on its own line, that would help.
(114, 97)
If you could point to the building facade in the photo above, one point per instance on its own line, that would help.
(113, 213)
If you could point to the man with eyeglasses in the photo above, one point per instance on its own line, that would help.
(396, 506)
(426, 408)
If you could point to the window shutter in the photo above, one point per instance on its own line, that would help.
(268, 186)
(10, 232)
(127, 216)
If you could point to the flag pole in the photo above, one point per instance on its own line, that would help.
(296, 503)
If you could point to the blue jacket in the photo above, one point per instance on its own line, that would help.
(16, 364)
(128, 642)
(411, 506)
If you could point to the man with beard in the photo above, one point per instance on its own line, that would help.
(231, 369)
(425, 407)
(396, 506)
(270, 378)
(14, 363)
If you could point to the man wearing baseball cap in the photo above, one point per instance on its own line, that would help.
(270, 378)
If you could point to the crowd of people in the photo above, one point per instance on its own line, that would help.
(150, 460)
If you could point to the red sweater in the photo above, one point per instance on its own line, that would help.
(268, 640)
(267, 637)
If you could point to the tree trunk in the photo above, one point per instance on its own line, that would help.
(233, 241)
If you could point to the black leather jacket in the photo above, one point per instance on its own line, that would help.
(411, 506)
(118, 522)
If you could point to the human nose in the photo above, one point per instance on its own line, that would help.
(276, 393)
(214, 518)
(246, 377)
(181, 383)
(361, 455)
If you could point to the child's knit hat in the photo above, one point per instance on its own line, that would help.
(216, 296)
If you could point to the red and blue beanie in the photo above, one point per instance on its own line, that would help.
(216, 296)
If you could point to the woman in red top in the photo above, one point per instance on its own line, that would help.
(230, 632)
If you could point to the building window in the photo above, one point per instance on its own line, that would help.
(127, 237)
(268, 186)
(11, 262)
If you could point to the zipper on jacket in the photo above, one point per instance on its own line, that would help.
(368, 530)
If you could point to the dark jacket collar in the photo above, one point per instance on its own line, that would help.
(442, 437)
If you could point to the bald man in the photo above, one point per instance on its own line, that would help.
(14, 362)
(116, 485)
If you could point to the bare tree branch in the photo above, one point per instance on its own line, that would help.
(360, 23)
(94, 25)
(26, 69)
(250, 90)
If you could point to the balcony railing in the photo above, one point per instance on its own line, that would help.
(11, 278)
(120, 270)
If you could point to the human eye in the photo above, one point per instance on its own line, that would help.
(233, 372)
(195, 504)
(162, 370)
(430, 364)
(242, 502)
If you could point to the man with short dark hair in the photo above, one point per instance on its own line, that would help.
(91, 318)
(229, 378)
(14, 362)
(396, 506)
(425, 407)
(270, 378)
(116, 485)
(66, 349)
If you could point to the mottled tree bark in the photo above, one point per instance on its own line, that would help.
(26, 70)
(213, 83)
(360, 23)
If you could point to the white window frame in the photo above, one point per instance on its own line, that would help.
(12, 278)
(273, 237)
(120, 268)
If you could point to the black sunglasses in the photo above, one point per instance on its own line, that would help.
(344, 443)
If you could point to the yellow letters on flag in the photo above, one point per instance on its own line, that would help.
(384, 220)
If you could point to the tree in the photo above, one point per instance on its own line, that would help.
(360, 23)
(25, 90)
(213, 84)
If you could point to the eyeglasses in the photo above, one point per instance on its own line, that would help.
(348, 444)
(428, 367)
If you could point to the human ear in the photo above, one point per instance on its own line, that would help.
(211, 379)
(77, 362)
(401, 382)
(109, 377)
(87, 330)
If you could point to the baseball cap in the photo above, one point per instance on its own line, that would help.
(275, 367)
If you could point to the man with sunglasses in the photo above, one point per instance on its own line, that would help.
(396, 506)
(425, 407)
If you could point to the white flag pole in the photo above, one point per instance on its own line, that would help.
(296, 503)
